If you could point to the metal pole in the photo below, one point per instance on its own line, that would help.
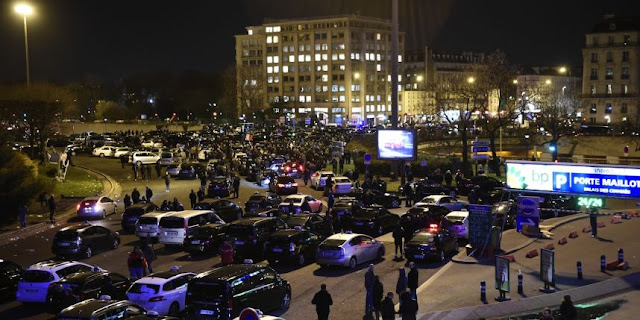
(26, 49)
(500, 139)
(394, 63)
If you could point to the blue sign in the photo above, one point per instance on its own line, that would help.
(522, 220)
(607, 180)
(367, 157)
(481, 156)
(528, 206)
(480, 149)
(480, 223)
(480, 143)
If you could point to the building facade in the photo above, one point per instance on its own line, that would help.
(336, 69)
(611, 72)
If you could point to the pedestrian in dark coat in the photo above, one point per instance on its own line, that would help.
(401, 285)
(408, 307)
(123, 160)
(412, 280)
(398, 235)
(567, 309)
(322, 300)
(388, 308)
(408, 193)
(148, 174)
(143, 172)
(127, 201)
(167, 181)
(158, 170)
(200, 195)
(135, 195)
(236, 186)
(593, 220)
(23, 210)
(369, 280)
(148, 193)
(330, 201)
(378, 291)
(192, 198)
(52, 209)
(448, 178)
(149, 255)
(134, 168)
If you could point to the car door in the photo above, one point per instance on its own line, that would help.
(91, 288)
(101, 239)
(266, 289)
(106, 204)
(121, 283)
(10, 274)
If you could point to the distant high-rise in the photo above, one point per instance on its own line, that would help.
(334, 68)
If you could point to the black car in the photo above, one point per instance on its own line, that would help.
(307, 221)
(373, 220)
(219, 187)
(344, 206)
(95, 309)
(485, 184)
(133, 213)
(433, 243)
(249, 236)
(373, 196)
(422, 217)
(505, 214)
(225, 209)
(83, 240)
(283, 185)
(10, 274)
(223, 292)
(86, 285)
(292, 246)
(293, 169)
(261, 202)
(425, 188)
(204, 239)
(188, 171)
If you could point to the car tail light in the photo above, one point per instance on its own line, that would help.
(292, 246)
(78, 207)
(287, 168)
(433, 226)
(156, 299)
(280, 185)
(185, 224)
(301, 168)
(294, 184)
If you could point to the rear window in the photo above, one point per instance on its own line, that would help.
(148, 220)
(332, 243)
(144, 288)
(172, 222)
(286, 179)
(295, 200)
(297, 221)
(37, 276)
(207, 291)
(204, 232)
(67, 235)
(134, 212)
(88, 203)
(423, 237)
(241, 230)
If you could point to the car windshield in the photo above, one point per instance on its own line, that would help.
(207, 291)
(144, 288)
(37, 276)
(423, 237)
(428, 200)
(219, 180)
(203, 232)
(297, 221)
(456, 219)
(241, 230)
(286, 179)
(295, 200)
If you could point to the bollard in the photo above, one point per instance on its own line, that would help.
(579, 266)
(483, 291)
(603, 263)
(520, 289)
(620, 255)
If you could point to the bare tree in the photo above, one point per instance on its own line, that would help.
(250, 89)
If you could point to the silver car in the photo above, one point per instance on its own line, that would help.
(348, 250)
(96, 207)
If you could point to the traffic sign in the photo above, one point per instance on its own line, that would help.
(480, 149)
(367, 158)
(480, 156)
(522, 220)
(528, 206)
(480, 143)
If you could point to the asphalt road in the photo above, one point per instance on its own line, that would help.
(345, 286)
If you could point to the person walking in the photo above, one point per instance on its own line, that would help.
(340, 164)
(408, 193)
(593, 220)
(369, 281)
(158, 170)
(167, 181)
(236, 186)
(388, 308)
(192, 198)
(23, 210)
(401, 285)
(52, 208)
(408, 307)
(412, 280)
(226, 253)
(306, 176)
(200, 195)
(331, 201)
(123, 160)
(149, 255)
(148, 193)
(127, 201)
(134, 168)
(136, 263)
(448, 178)
(378, 291)
(322, 300)
(567, 309)
(398, 235)
(135, 195)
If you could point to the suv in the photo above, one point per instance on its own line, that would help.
(37, 278)
(283, 185)
(148, 224)
(249, 236)
(95, 309)
(292, 245)
(223, 292)
(167, 158)
(85, 285)
(134, 212)
(163, 292)
(144, 157)
(83, 239)
(10, 274)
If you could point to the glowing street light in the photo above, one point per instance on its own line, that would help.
(25, 10)
(419, 78)
(548, 81)
(515, 81)
(562, 70)
(471, 80)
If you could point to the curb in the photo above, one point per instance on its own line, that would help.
(17, 234)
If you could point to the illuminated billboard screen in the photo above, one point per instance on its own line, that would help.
(581, 179)
(397, 144)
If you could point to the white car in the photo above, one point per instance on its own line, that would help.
(149, 223)
(36, 279)
(144, 157)
(151, 144)
(122, 151)
(341, 185)
(95, 207)
(104, 151)
(448, 202)
(239, 156)
(204, 154)
(163, 292)
(459, 223)
(319, 178)
(301, 203)
(349, 250)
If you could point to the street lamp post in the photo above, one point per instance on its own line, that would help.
(25, 10)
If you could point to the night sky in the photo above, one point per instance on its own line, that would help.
(72, 40)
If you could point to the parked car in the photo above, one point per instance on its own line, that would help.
(292, 246)
(304, 221)
(104, 151)
(432, 243)
(168, 157)
(373, 196)
(293, 169)
(505, 213)
(301, 203)
(96, 207)
(188, 171)
(97, 309)
(249, 236)
(319, 178)
(219, 187)
(122, 151)
(162, 292)
(205, 239)
(36, 279)
(426, 187)
(261, 202)
(283, 185)
(484, 183)
(173, 170)
(144, 157)
(226, 209)
(131, 215)
(341, 185)
(344, 206)
(149, 224)
(175, 227)
(458, 223)
(446, 201)
(86, 285)
(421, 217)
(84, 240)
(373, 220)
(10, 275)
(349, 250)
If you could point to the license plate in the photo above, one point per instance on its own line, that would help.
(239, 243)
(419, 256)
(172, 233)
(31, 290)
(195, 241)
(277, 249)
(64, 244)
(207, 312)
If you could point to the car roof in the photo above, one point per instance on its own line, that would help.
(229, 272)
(142, 205)
(461, 213)
(52, 265)
(296, 196)
(188, 213)
(81, 277)
(91, 198)
(77, 227)
(90, 306)
(158, 214)
(162, 277)
(437, 196)
(250, 221)
(344, 236)
(285, 233)
(324, 172)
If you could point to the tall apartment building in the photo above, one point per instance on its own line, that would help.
(336, 68)
(611, 72)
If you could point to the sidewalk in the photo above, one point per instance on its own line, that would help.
(111, 188)
(461, 278)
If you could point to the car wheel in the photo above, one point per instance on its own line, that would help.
(441, 257)
(174, 309)
(102, 155)
(380, 254)
(115, 244)
(395, 203)
(286, 301)
(104, 214)
(301, 260)
(88, 252)
(353, 263)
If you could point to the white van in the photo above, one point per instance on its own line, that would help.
(149, 223)
(175, 227)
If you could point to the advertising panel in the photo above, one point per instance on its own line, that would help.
(480, 222)
(396, 144)
(502, 274)
(582, 179)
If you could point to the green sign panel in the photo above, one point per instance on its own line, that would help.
(590, 202)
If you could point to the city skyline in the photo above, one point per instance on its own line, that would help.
(111, 40)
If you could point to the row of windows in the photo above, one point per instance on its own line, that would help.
(624, 89)
(608, 108)
(626, 39)
(609, 56)
(609, 73)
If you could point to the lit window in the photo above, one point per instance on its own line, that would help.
(378, 36)
(275, 39)
(292, 58)
(276, 69)
(342, 98)
(318, 57)
(378, 57)
(269, 59)
(334, 57)
(276, 29)
(325, 67)
(399, 58)
(269, 69)
(269, 39)
(307, 58)
(378, 67)
(269, 29)
(269, 79)
(250, 32)
(276, 59)
(325, 57)
(285, 69)
(609, 89)
(341, 56)
(334, 88)
(325, 78)
(301, 58)
(308, 99)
